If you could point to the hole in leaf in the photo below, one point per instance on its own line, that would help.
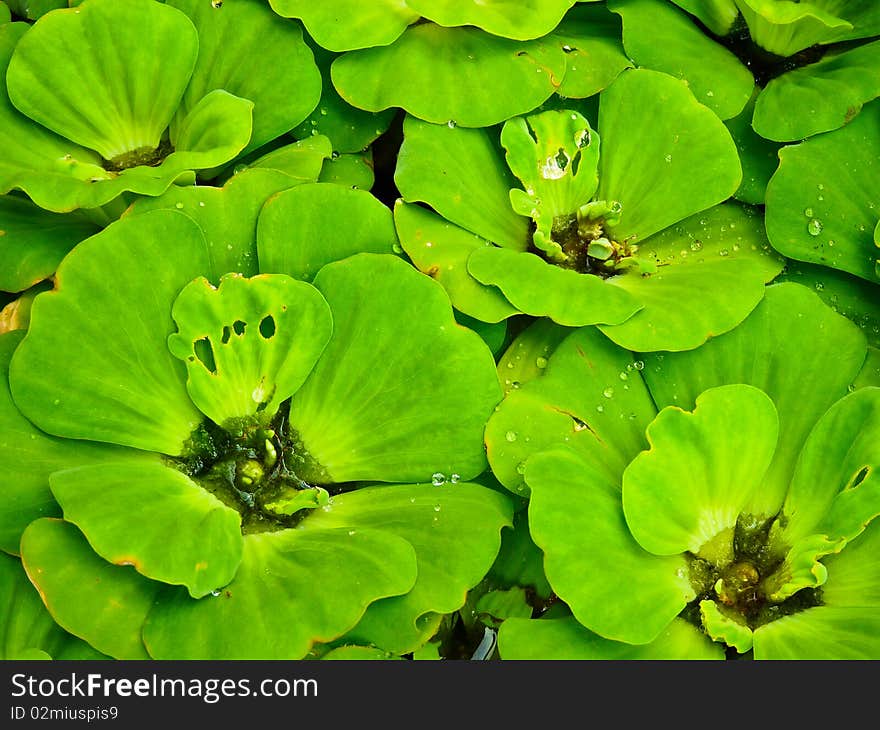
(226, 334)
(238, 326)
(860, 477)
(267, 327)
(205, 352)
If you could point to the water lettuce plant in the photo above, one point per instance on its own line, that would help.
(558, 225)
(160, 92)
(720, 498)
(265, 465)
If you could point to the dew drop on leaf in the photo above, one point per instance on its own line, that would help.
(814, 227)
(438, 479)
(510, 436)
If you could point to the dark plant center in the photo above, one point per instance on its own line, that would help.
(147, 156)
(738, 586)
(257, 469)
(587, 243)
(764, 65)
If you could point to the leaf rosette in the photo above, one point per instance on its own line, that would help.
(160, 93)
(244, 465)
(634, 236)
(692, 504)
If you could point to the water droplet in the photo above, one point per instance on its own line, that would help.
(639, 365)
(608, 392)
(438, 479)
(451, 123)
(623, 375)
(396, 248)
(215, 592)
(541, 363)
(455, 479)
(521, 468)
(436, 507)
(323, 112)
(668, 158)
(724, 252)
(819, 286)
(808, 212)
(510, 436)
(814, 227)
(352, 532)
(696, 245)
(179, 206)
(600, 409)
(831, 243)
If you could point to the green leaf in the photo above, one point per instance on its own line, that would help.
(148, 515)
(699, 474)
(660, 37)
(541, 289)
(227, 216)
(664, 156)
(821, 207)
(717, 15)
(130, 392)
(566, 639)
(518, 19)
(317, 583)
(302, 161)
(784, 28)
(33, 9)
(306, 227)
(376, 24)
(402, 391)
(820, 97)
(612, 585)
(852, 297)
(759, 156)
(461, 175)
(591, 399)
(28, 630)
(527, 356)
(555, 155)
(455, 532)
(821, 633)
(261, 337)
(870, 372)
(854, 573)
(594, 55)
(462, 75)
(214, 131)
(238, 42)
(350, 170)
(834, 490)
(723, 628)
(350, 129)
(134, 61)
(794, 348)
(33, 241)
(102, 603)
(28, 457)
(711, 271)
(441, 249)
